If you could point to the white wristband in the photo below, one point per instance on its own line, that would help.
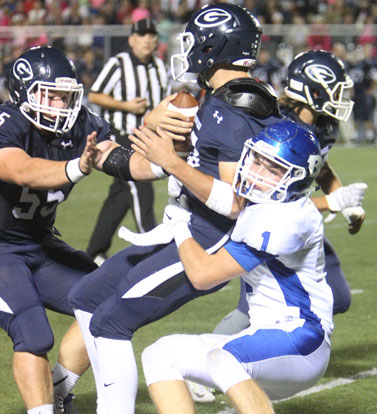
(181, 232)
(221, 198)
(73, 171)
(158, 171)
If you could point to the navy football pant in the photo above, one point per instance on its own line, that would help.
(140, 285)
(33, 277)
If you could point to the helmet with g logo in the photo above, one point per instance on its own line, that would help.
(218, 33)
(41, 71)
(320, 80)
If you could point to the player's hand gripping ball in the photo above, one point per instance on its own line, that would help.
(186, 104)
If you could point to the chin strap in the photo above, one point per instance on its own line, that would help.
(253, 96)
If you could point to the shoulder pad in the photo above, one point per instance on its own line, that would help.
(254, 97)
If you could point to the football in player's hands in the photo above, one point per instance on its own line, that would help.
(186, 104)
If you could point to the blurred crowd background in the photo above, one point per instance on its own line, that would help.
(91, 31)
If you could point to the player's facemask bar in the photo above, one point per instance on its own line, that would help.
(53, 119)
(245, 179)
(339, 106)
(179, 62)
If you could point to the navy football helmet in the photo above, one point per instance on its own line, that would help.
(37, 73)
(218, 33)
(320, 80)
(279, 164)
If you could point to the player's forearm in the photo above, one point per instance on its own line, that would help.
(197, 264)
(216, 194)
(328, 180)
(106, 101)
(124, 163)
(39, 174)
(320, 203)
(198, 183)
(141, 169)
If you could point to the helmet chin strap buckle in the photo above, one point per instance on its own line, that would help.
(25, 107)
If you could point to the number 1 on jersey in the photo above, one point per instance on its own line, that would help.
(266, 239)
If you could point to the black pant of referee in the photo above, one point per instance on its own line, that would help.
(122, 196)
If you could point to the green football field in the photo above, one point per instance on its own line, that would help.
(350, 383)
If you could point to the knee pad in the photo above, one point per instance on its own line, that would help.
(30, 331)
(224, 369)
(158, 362)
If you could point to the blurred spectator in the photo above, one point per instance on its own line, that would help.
(164, 25)
(37, 14)
(124, 13)
(141, 11)
(347, 131)
(318, 37)
(73, 14)
(108, 11)
(88, 69)
(28, 5)
(364, 75)
(297, 37)
(270, 69)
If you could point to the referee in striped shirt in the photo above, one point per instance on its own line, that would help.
(131, 84)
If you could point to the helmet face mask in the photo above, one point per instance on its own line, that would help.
(278, 165)
(39, 78)
(41, 113)
(319, 79)
(179, 61)
(219, 33)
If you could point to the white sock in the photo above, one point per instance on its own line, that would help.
(42, 409)
(119, 372)
(83, 318)
(64, 380)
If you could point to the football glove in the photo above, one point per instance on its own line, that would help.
(177, 219)
(355, 217)
(349, 196)
(161, 234)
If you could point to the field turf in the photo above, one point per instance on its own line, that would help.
(355, 335)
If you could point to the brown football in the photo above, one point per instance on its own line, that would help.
(186, 104)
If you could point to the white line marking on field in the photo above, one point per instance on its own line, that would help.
(357, 291)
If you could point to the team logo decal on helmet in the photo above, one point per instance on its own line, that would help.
(22, 70)
(212, 18)
(318, 73)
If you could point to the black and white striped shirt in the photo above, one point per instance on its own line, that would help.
(124, 77)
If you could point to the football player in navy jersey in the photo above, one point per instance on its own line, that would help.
(144, 283)
(316, 95)
(48, 142)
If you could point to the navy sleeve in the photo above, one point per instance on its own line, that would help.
(13, 127)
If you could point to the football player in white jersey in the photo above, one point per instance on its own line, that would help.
(277, 248)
